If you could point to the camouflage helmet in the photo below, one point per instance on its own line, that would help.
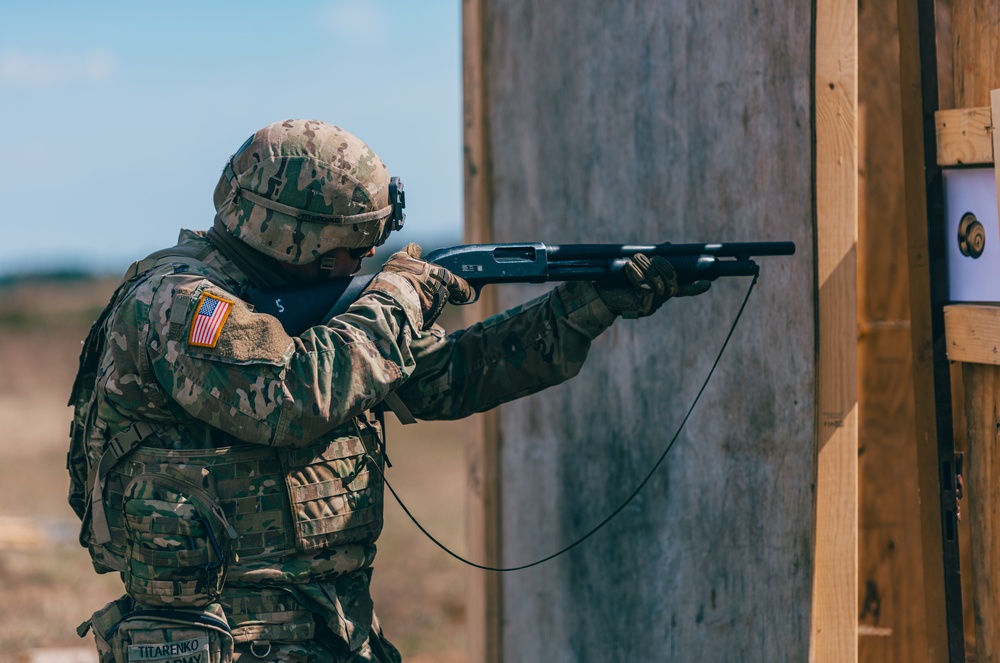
(297, 189)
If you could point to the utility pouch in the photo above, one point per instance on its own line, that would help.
(334, 493)
(130, 633)
(261, 615)
(180, 544)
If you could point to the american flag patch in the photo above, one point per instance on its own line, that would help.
(208, 321)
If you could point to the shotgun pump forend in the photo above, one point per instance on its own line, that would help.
(301, 307)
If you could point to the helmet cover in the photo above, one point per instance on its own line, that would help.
(299, 188)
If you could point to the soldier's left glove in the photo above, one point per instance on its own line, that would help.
(435, 285)
(652, 281)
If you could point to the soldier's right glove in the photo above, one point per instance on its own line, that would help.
(435, 285)
(652, 283)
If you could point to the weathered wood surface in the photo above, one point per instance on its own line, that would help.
(964, 136)
(995, 116)
(976, 43)
(982, 404)
(484, 601)
(930, 421)
(890, 588)
(634, 122)
(973, 333)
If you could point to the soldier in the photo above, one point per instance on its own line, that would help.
(233, 474)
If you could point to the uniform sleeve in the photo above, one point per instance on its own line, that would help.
(513, 354)
(240, 372)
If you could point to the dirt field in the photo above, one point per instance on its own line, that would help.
(47, 586)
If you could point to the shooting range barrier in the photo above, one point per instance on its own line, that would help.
(810, 509)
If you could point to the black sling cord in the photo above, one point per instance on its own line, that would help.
(613, 513)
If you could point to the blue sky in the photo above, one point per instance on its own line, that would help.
(120, 115)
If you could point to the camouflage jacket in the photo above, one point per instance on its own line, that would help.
(288, 427)
(260, 386)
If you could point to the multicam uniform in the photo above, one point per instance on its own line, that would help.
(244, 469)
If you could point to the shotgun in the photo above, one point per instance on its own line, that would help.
(300, 307)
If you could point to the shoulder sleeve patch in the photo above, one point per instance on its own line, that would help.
(208, 321)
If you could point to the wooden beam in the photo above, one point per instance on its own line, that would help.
(484, 606)
(995, 115)
(973, 336)
(964, 136)
(982, 400)
(835, 617)
(931, 374)
(973, 333)
(890, 586)
(976, 42)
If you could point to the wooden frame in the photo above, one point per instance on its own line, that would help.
(835, 618)
(995, 116)
(964, 136)
(931, 372)
(972, 333)
(484, 596)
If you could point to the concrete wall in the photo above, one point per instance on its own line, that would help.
(642, 121)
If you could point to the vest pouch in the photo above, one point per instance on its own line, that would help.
(334, 493)
(180, 544)
(260, 615)
(130, 633)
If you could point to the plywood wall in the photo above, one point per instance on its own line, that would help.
(647, 122)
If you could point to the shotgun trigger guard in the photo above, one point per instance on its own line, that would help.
(478, 288)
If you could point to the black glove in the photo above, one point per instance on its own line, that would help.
(652, 282)
(435, 285)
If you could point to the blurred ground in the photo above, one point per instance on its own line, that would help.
(47, 586)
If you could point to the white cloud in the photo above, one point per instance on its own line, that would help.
(355, 21)
(21, 68)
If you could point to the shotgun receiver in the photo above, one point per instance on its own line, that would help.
(301, 307)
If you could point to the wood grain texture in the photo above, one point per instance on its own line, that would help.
(973, 333)
(921, 334)
(890, 584)
(961, 432)
(976, 43)
(995, 116)
(835, 617)
(484, 600)
(890, 589)
(982, 402)
(647, 121)
(891, 598)
(964, 136)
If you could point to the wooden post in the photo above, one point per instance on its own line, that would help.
(995, 115)
(973, 334)
(976, 40)
(982, 403)
(890, 590)
(484, 603)
(931, 374)
(835, 620)
(976, 43)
